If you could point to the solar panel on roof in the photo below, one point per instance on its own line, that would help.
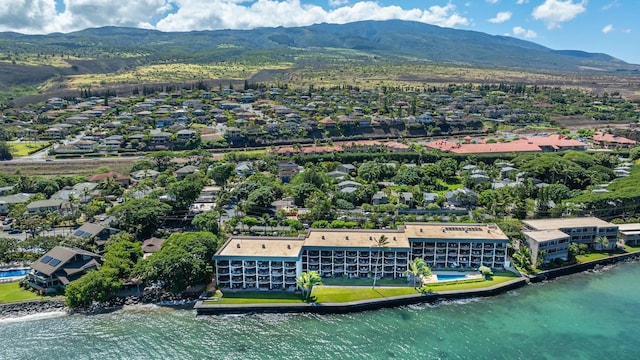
(55, 262)
(45, 259)
(78, 233)
(86, 235)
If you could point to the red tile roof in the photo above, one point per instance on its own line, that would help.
(612, 139)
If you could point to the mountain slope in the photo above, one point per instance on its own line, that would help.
(108, 49)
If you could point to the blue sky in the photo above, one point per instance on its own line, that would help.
(605, 26)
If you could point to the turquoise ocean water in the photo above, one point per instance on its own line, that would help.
(593, 315)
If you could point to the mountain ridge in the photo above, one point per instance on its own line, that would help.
(110, 48)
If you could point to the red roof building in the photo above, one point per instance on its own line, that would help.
(606, 140)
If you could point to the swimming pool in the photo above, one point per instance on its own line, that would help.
(451, 277)
(13, 272)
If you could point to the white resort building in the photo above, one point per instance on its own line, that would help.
(270, 263)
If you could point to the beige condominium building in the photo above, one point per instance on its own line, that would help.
(630, 233)
(554, 235)
(271, 263)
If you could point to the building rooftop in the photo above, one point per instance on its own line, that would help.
(362, 238)
(454, 231)
(545, 235)
(559, 223)
(629, 229)
(262, 246)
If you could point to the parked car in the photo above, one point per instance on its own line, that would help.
(15, 231)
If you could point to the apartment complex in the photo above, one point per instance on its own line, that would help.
(270, 263)
(554, 235)
(630, 233)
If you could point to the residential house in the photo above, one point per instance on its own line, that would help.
(462, 197)
(117, 177)
(379, 198)
(60, 266)
(429, 198)
(244, 168)
(184, 171)
(95, 233)
(150, 246)
(44, 206)
(406, 198)
(144, 174)
(347, 168)
(186, 135)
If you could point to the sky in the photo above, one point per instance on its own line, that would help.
(601, 26)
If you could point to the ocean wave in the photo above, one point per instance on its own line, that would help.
(33, 317)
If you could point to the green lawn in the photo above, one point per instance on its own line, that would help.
(257, 297)
(12, 292)
(25, 148)
(597, 255)
(337, 294)
(631, 249)
(340, 281)
(471, 284)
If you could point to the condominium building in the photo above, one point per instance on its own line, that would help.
(630, 233)
(554, 243)
(582, 230)
(269, 263)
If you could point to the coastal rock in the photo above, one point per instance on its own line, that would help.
(31, 307)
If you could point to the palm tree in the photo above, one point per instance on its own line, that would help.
(602, 241)
(306, 281)
(418, 270)
(382, 242)
(522, 257)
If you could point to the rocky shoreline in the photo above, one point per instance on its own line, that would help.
(20, 309)
(155, 296)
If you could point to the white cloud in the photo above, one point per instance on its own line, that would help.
(520, 2)
(40, 16)
(493, 1)
(611, 5)
(555, 12)
(524, 33)
(607, 29)
(229, 14)
(335, 3)
(501, 17)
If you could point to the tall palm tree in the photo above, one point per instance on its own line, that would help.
(306, 281)
(381, 242)
(602, 241)
(417, 270)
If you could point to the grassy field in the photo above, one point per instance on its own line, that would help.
(61, 167)
(257, 297)
(24, 148)
(597, 255)
(337, 294)
(179, 72)
(12, 292)
(362, 282)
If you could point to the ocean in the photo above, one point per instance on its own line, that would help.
(591, 315)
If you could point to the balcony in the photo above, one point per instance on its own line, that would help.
(223, 278)
(338, 254)
(224, 284)
(236, 263)
(314, 262)
(236, 278)
(313, 267)
(263, 264)
(326, 261)
(351, 261)
(223, 263)
(223, 271)
(276, 265)
(325, 253)
(250, 264)
(250, 272)
(352, 254)
(364, 254)
(289, 265)
(338, 262)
